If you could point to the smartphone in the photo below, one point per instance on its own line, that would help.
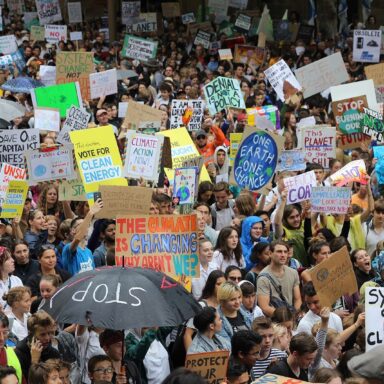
(96, 196)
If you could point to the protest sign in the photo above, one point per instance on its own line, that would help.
(120, 200)
(48, 75)
(212, 366)
(243, 22)
(249, 55)
(98, 158)
(77, 118)
(349, 113)
(8, 61)
(332, 200)
(219, 8)
(76, 36)
(282, 80)
(48, 11)
(184, 185)
(103, 83)
(353, 140)
(270, 112)
(305, 33)
(72, 190)
(318, 143)
(13, 144)
(8, 44)
(291, 160)
(376, 73)
(146, 22)
(143, 156)
(372, 125)
(223, 92)
(256, 159)
(137, 113)
(202, 38)
(37, 33)
(30, 19)
(74, 12)
(334, 278)
(322, 74)
(75, 67)
(366, 45)
(15, 6)
(225, 54)
(130, 11)
(14, 199)
(47, 119)
(188, 18)
(235, 139)
(55, 33)
(50, 164)
(138, 48)
(167, 244)
(282, 30)
(374, 317)
(61, 96)
(188, 113)
(198, 163)
(122, 109)
(271, 378)
(353, 171)
(300, 186)
(170, 9)
(378, 153)
(7, 173)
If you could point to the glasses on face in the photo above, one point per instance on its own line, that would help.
(104, 370)
(47, 247)
(200, 137)
(234, 278)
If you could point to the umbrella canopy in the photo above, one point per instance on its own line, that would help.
(121, 298)
(9, 110)
(22, 84)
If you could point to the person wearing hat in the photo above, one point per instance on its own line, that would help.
(112, 343)
(102, 118)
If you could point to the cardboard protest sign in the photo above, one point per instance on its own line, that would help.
(48, 11)
(8, 44)
(372, 125)
(366, 45)
(374, 317)
(332, 200)
(212, 366)
(353, 171)
(143, 156)
(55, 33)
(349, 113)
(50, 164)
(318, 143)
(334, 277)
(187, 113)
(300, 186)
(184, 185)
(146, 22)
(270, 378)
(77, 118)
(167, 244)
(256, 159)
(223, 92)
(353, 140)
(250, 55)
(7, 173)
(103, 83)
(137, 113)
(243, 22)
(138, 48)
(282, 80)
(120, 200)
(14, 199)
(13, 144)
(270, 112)
(130, 11)
(48, 75)
(376, 73)
(98, 158)
(188, 18)
(61, 96)
(75, 67)
(202, 38)
(47, 119)
(74, 12)
(378, 153)
(37, 33)
(72, 190)
(170, 9)
(322, 74)
(291, 160)
(225, 54)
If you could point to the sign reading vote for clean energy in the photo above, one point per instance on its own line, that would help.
(222, 93)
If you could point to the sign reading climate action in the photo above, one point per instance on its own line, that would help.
(166, 243)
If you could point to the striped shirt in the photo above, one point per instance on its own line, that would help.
(261, 366)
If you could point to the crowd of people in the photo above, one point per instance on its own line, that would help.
(255, 251)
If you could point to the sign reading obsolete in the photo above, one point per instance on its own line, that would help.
(332, 200)
(334, 277)
(167, 243)
(212, 366)
(374, 317)
(366, 45)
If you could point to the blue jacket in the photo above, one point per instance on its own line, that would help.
(201, 343)
(246, 241)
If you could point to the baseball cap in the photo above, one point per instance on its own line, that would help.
(201, 132)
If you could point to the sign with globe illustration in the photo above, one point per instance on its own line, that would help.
(185, 185)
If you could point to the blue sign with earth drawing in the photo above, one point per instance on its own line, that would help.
(184, 188)
(256, 160)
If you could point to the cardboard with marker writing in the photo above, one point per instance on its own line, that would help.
(137, 113)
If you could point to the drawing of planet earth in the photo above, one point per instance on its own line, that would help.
(40, 170)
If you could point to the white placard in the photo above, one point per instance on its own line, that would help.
(374, 317)
(103, 83)
(123, 106)
(180, 110)
(8, 44)
(74, 12)
(300, 186)
(366, 45)
(55, 33)
(76, 36)
(48, 75)
(48, 11)
(47, 119)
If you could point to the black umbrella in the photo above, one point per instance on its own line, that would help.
(121, 298)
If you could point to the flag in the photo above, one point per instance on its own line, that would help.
(312, 12)
(285, 16)
(342, 13)
(266, 25)
(366, 8)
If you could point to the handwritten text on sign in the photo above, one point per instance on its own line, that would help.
(167, 243)
(330, 200)
(300, 186)
(374, 320)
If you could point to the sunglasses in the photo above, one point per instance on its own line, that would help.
(200, 137)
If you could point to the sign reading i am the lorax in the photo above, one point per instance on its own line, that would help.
(256, 159)
(223, 92)
(166, 243)
(98, 158)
